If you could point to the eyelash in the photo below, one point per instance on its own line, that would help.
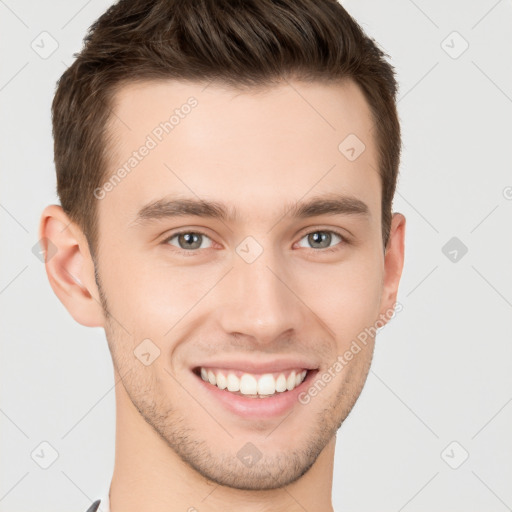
(194, 252)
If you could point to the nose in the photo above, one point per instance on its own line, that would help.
(259, 302)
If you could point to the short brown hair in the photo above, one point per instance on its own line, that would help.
(242, 43)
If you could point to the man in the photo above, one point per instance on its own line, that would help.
(226, 171)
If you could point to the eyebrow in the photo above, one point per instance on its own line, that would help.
(329, 204)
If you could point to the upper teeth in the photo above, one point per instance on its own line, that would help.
(249, 384)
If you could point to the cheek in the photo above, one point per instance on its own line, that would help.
(149, 298)
(345, 296)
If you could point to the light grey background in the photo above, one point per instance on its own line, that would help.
(441, 371)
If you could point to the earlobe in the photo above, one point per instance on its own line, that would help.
(393, 263)
(69, 266)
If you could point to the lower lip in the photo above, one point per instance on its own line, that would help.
(257, 408)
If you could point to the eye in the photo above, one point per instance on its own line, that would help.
(321, 239)
(188, 241)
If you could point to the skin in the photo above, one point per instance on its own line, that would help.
(254, 150)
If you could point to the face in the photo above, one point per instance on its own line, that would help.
(281, 269)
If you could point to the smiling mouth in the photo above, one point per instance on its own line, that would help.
(252, 385)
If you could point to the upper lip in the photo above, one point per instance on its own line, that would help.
(259, 367)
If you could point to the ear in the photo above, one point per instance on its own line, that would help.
(70, 267)
(393, 264)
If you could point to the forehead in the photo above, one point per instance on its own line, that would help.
(251, 149)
